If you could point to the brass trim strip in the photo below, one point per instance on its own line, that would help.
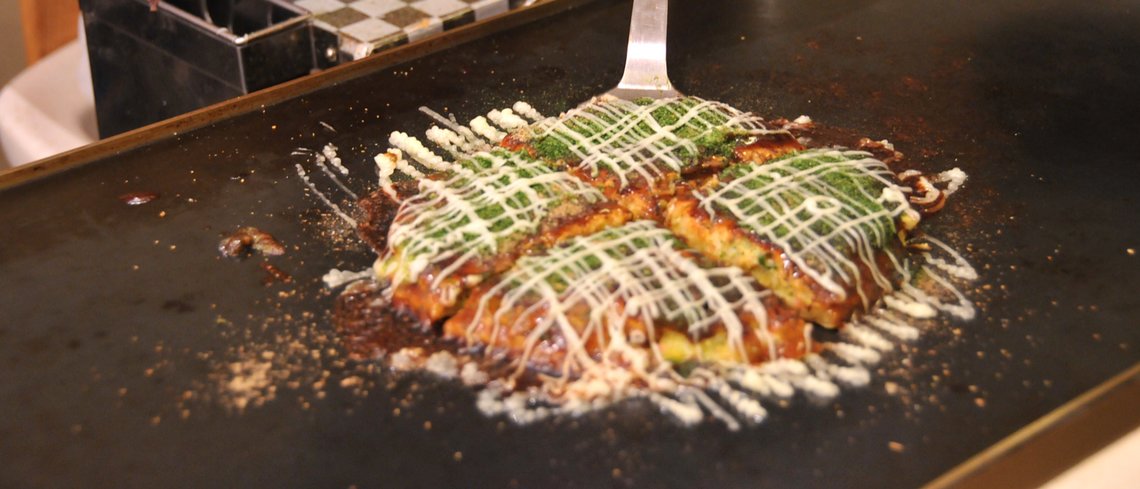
(1048, 446)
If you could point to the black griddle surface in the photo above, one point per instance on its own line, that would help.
(119, 324)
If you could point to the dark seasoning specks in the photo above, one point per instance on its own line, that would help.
(295, 356)
(303, 362)
(291, 355)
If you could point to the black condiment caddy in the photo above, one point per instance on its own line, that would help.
(148, 65)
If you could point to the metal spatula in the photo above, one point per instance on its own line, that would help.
(645, 71)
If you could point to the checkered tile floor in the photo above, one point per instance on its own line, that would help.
(363, 27)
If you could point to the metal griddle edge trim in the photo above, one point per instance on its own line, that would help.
(1055, 442)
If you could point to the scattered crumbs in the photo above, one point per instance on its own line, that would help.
(457, 456)
(896, 447)
(471, 375)
(274, 275)
(407, 358)
(336, 235)
(443, 364)
(248, 383)
(891, 388)
(270, 357)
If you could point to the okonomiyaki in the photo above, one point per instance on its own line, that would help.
(473, 219)
(659, 249)
(820, 228)
(632, 293)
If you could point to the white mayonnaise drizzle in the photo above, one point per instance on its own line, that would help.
(633, 144)
(524, 109)
(385, 166)
(825, 230)
(506, 119)
(634, 271)
(471, 144)
(447, 139)
(954, 179)
(646, 270)
(484, 129)
(414, 148)
(336, 278)
(329, 152)
(320, 195)
(469, 212)
(322, 160)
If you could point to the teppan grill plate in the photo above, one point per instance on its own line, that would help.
(128, 345)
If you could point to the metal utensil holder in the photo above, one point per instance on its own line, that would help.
(151, 65)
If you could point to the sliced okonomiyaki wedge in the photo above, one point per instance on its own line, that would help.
(631, 296)
(637, 151)
(474, 220)
(819, 228)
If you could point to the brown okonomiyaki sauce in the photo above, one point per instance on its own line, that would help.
(627, 313)
(369, 327)
(368, 331)
(376, 212)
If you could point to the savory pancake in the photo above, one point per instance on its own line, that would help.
(657, 234)
(473, 220)
(820, 228)
(678, 251)
(636, 152)
(635, 287)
